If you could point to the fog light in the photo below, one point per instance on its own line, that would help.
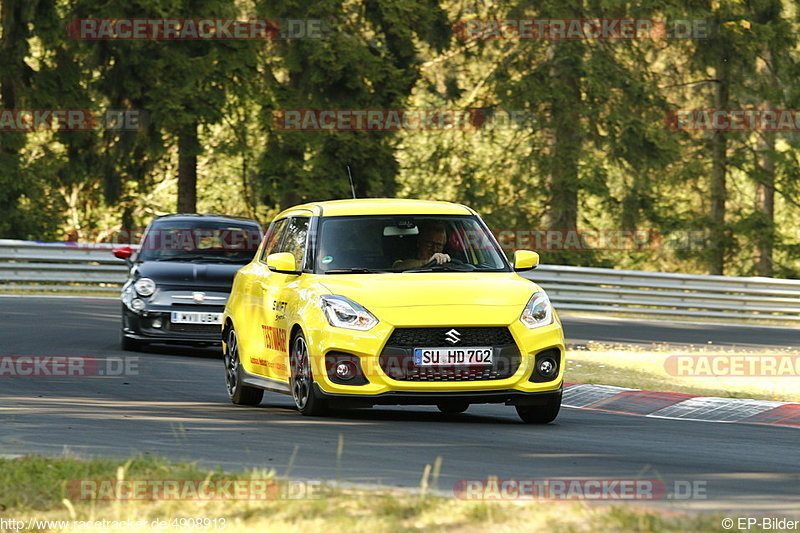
(346, 370)
(156, 322)
(137, 304)
(547, 367)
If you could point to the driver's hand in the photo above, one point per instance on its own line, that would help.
(440, 258)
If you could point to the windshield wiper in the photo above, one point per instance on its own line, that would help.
(190, 258)
(354, 271)
(180, 258)
(444, 267)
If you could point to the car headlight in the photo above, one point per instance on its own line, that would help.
(342, 312)
(538, 312)
(145, 286)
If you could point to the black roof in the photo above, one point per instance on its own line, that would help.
(207, 216)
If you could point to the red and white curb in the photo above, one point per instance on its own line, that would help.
(680, 406)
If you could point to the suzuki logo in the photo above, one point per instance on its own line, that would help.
(452, 336)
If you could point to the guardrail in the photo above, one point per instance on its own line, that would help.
(92, 267)
(669, 295)
(81, 267)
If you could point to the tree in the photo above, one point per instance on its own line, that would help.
(368, 59)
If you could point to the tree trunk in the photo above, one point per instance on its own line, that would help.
(563, 177)
(765, 188)
(188, 148)
(13, 49)
(719, 164)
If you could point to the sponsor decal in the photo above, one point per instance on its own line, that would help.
(274, 338)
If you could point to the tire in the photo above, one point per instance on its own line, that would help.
(541, 414)
(453, 408)
(305, 395)
(130, 345)
(238, 392)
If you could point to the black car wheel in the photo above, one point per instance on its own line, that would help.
(130, 345)
(541, 414)
(239, 393)
(305, 396)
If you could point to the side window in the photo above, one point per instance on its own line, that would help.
(295, 241)
(274, 236)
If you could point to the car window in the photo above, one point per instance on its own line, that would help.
(295, 241)
(200, 240)
(274, 237)
(395, 243)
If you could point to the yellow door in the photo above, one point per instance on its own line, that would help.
(277, 290)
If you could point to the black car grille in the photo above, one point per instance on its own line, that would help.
(436, 337)
(404, 370)
(397, 359)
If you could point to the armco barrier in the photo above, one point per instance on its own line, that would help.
(70, 266)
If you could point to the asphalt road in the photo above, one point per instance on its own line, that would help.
(173, 403)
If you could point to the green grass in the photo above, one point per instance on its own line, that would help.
(36, 488)
(756, 320)
(644, 368)
(607, 374)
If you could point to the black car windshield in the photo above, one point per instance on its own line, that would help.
(200, 241)
(414, 243)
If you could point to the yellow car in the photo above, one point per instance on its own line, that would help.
(355, 303)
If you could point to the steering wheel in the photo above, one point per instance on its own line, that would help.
(453, 260)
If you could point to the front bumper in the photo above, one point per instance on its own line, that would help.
(140, 326)
(382, 388)
(507, 397)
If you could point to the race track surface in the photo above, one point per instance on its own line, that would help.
(175, 405)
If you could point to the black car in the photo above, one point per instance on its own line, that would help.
(181, 277)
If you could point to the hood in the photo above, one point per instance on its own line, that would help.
(432, 289)
(199, 274)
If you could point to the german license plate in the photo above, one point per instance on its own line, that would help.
(453, 356)
(194, 317)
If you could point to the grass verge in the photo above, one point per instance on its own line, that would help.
(649, 369)
(37, 488)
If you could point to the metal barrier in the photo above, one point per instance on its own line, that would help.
(669, 295)
(92, 267)
(81, 267)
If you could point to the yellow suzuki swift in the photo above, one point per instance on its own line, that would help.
(356, 303)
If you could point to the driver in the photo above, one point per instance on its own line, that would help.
(430, 243)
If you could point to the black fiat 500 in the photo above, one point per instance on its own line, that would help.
(181, 277)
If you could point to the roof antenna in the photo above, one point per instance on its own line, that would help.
(352, 188)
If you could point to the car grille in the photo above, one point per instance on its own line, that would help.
(397, 359)
(196, 328)
(436, 337)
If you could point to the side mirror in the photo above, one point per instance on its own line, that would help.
(124, 253)
(282, 263)
(525, 260)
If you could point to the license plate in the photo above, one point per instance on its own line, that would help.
(193, 317)
(453, 356)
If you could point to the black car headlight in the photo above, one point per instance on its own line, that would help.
(145, 287)
(131, 299)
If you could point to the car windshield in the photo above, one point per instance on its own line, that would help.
(414, 243)
(200, 241)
